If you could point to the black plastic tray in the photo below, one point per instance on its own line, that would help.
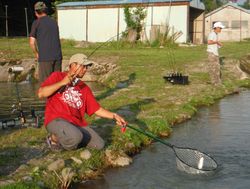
(176, 79)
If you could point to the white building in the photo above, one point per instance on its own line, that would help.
(99, 21)
(235, 18)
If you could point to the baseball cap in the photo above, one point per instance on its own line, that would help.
(80, 59)
(40, 5)
(218, 25)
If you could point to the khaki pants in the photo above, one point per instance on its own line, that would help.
(214, 69)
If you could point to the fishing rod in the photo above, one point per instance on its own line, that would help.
(20, 114)
(19, 104)
(62, 89)
(32, 119)
(117, 35)
(17, 108)
(102, 44)
(75, 80)
(174, 77)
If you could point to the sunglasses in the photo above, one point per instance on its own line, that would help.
(84, 66)
(87, 66)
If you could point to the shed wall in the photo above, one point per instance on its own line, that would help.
(100, 24)
(237, 24)
(72, 24)
(175, 16)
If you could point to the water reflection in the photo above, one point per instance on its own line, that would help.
(221, 130)
(100, 183)
(25, 92)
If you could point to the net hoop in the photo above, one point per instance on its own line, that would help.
(194, 162)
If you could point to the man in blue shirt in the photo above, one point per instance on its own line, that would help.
(45, 42)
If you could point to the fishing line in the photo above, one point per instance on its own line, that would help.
(19, 103)
(62, 89)
(171, 56)
(145, 3)
(102, 44)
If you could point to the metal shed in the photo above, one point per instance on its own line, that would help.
(98, 21)
(16, 16)
(235, 18)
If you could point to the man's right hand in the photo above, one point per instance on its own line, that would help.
(66, 80)
(36, 56)
(71, 75)
(219, 43)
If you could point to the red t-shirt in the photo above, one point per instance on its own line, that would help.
(71, 104)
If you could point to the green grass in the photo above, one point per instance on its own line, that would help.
(21, 186)
(156, 105)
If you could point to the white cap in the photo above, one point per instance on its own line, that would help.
(80, 59)
(218, 25)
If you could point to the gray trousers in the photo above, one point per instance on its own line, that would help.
(46, 68)
(72, 137)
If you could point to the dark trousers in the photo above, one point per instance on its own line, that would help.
(46, 68)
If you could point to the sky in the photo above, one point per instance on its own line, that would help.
(241, 1)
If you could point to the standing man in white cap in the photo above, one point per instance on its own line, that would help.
(45, 42)
(213, 45)
(68, 100)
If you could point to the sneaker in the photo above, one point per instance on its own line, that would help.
(55, 147)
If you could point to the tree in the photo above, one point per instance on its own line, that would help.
(62, 1)
(133, 19)
(246, 5)
(213, 4)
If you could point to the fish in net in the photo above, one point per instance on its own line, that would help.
(188, 160)
(193, 161)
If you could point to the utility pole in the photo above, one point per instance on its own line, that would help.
(6, 20)
(26, 21)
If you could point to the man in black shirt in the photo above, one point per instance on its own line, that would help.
(45, 42)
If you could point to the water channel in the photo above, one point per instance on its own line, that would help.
(12, 93)
(222, 130)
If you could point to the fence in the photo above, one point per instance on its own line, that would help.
(16, 16)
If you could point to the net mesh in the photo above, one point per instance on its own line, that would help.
(193, 161)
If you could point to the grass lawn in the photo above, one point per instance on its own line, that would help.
(156, 105)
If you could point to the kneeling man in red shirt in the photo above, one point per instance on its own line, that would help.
(68, 99)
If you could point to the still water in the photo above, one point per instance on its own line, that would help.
(222, 130)
(12, 93)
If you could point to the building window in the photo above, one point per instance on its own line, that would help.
(235, 24)
(244, 24)
(225, 23)
(239, 24)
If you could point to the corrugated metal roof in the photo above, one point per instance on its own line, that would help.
(114, 2)
(235, 5)
(197, 4)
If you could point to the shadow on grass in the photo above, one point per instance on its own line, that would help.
(12, 158)
(104, 127)
(129, 112)
(121, 85)
(99, 183)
